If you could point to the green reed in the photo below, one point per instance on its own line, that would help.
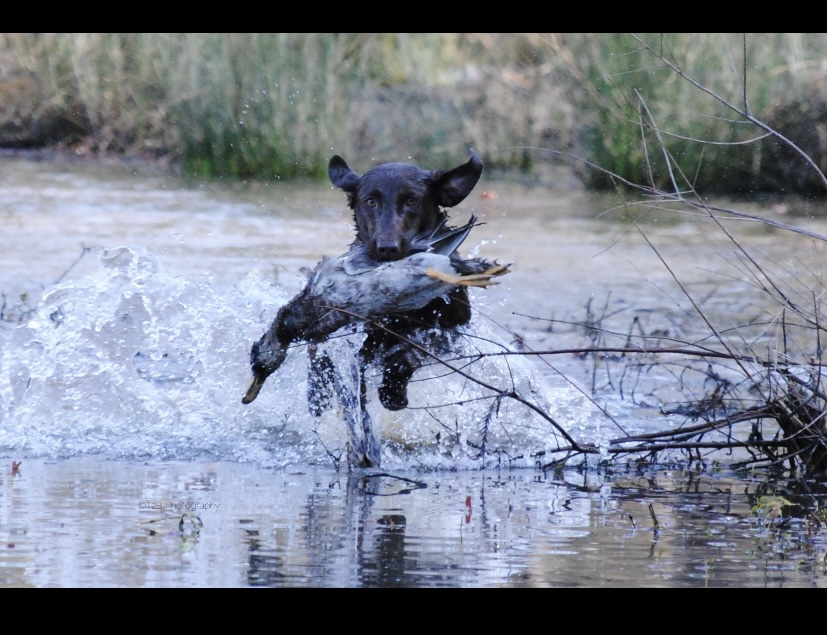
(629, 93)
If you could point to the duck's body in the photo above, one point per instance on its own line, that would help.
(355, 287)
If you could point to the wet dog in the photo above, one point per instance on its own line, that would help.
(392, 204)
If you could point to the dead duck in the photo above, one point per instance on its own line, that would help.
(354, 287)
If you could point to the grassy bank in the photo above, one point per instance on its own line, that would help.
(278, 105)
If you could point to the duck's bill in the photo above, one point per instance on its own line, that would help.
(253, 390)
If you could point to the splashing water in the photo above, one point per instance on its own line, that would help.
(130, 361)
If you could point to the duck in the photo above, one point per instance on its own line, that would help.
(354, 287)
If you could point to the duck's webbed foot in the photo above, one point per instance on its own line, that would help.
(480, 279)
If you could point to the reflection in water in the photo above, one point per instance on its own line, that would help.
(392, 561)
(264, 567)
(315, 527)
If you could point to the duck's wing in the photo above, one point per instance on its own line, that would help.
(444, 240)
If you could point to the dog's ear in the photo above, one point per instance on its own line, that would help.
(341, 175)
(452, 186)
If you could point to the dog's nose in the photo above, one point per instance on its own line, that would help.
(388, 250)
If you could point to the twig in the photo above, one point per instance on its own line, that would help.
(83, 251)
(654, 518)
(512, 394)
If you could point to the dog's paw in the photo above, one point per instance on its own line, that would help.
(394, 397)
(399, 368)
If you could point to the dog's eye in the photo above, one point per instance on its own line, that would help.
(411, 201)
(370, 202)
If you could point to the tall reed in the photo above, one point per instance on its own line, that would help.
(784, 73)
(278, 105)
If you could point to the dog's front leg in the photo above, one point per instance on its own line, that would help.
(320, 381)
(371, 444)
(363, 448)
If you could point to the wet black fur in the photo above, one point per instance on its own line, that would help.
(391, 204)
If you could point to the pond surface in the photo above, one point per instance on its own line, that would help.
(130, 302)
(93, 522)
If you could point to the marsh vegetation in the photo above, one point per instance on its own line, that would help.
(276, 106)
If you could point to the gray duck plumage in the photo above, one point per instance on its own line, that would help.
(354, 287)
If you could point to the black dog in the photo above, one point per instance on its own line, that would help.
(393, 203)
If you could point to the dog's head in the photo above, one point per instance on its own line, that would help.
(394, 202)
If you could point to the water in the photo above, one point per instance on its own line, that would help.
(122, 371)
(95, 522)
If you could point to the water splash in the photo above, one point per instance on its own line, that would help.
(131, 361)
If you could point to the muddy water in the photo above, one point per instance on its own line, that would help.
(120, 390)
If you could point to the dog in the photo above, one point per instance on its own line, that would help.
(392, 204)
